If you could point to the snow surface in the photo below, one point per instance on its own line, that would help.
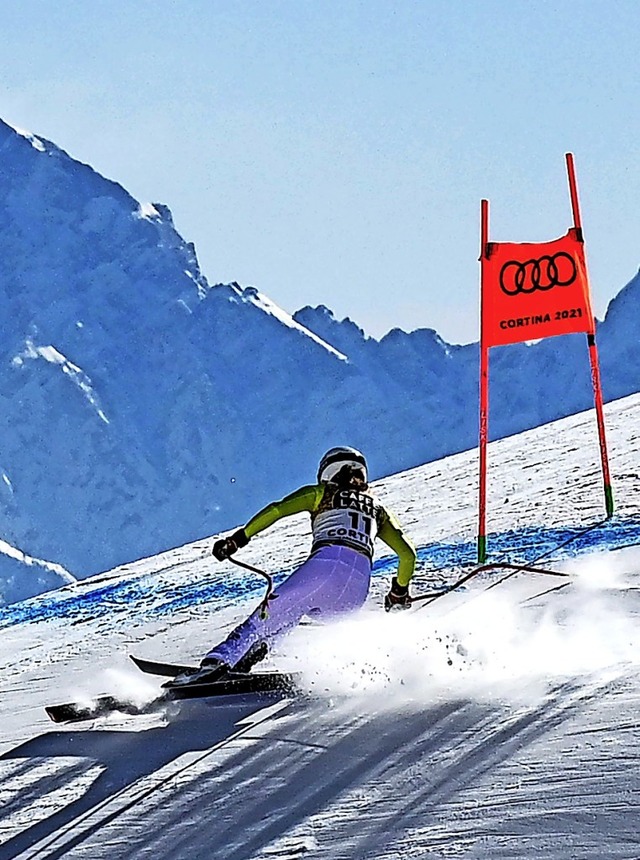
(484, 725)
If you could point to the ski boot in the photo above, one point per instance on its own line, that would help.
(210, 669)
(254, 655)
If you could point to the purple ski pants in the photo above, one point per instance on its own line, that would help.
(333, 580)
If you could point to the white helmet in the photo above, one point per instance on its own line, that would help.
(336, 458)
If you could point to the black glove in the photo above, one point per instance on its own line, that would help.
(226, 547)
(398, 596)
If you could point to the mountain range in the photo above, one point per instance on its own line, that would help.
(144, 407)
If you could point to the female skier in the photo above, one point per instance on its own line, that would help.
(345, 520)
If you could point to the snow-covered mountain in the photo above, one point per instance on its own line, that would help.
(142, 408)
(486, 725)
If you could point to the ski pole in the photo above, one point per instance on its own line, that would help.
(518, 568)
(435, 595)
(528, 567)
(569, 540)
(514, 568)
(531, 569)
(543, 593)
(549, 552)
(269, 595)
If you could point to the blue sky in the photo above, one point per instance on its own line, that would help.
(336, 151)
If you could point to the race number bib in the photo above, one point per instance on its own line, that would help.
(350, 521)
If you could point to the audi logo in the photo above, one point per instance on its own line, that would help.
(545, 273)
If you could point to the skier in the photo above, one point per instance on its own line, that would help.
(345, 520)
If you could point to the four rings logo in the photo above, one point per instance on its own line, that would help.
(558, 270)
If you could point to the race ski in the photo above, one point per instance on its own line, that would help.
(74, 712)
(232, 684)
(170, 670)
(152, 667)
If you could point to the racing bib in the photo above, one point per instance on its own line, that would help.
(349, 519)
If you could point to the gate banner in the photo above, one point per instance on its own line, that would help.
(529, 291)
(534, 290)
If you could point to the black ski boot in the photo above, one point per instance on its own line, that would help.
(254, 655)
(210, 669)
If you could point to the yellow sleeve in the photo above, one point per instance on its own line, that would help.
(304, 499)
(391, 533)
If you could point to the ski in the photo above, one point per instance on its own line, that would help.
(153, 667)
(232, 684)
(74, 712)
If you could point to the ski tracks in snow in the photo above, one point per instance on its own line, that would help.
(299, 778)
(408, 804)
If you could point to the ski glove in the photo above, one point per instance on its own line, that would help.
(226, 547)
(398, 596)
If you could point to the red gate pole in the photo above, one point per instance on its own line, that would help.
(484, 393)
(593, 349)
(597, 396)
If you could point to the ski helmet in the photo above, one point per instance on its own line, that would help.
(336, 458)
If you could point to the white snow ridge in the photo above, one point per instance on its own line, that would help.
(75, 374)
(487, 725)
(255, 297)
(17, 554)
(35, 142)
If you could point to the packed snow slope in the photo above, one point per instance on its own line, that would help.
(498, 724)
(142, 408)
